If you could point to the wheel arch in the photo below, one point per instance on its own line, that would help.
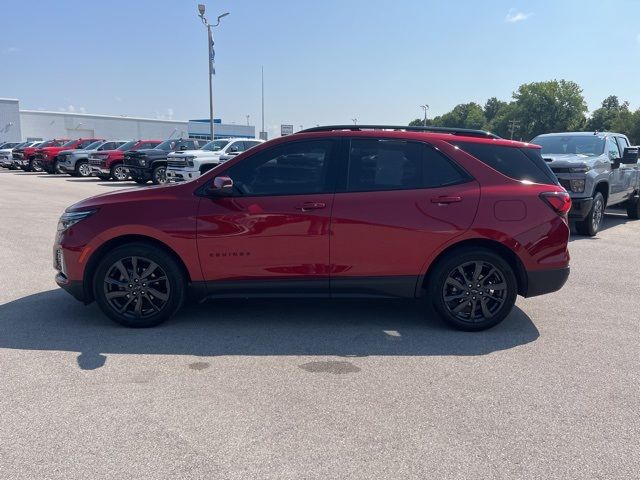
(496, 247)
(603, 187)
(94, 259)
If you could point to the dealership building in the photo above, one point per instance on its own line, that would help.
(22, 125)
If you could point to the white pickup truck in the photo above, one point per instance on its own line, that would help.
(190, 164)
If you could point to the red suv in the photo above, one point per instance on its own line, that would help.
(47, 157)
(110, 163)
(460, 216)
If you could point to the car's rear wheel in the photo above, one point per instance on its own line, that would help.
(83, 169)
(633, 208)
(590, 226)
(139, 285)
(119, 173)
(473, 288)
(159, 175)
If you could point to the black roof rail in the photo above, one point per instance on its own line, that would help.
(467, 132)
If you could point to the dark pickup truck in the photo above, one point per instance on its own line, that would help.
(151, 164)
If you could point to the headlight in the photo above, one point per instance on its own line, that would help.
(68, 219)
(582, 169)
(143, 162)
(577, 185)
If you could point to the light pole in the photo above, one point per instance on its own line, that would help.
(425, 107)
(201, 9)
(355, 121)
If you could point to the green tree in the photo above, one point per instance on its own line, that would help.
(492, 108)
(552, 106)
(612, 116)
(465, 115)
(419, 122)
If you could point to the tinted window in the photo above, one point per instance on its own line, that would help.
(614, 151)
(236, 147)
(294, 168)
(145, 145)
(379, 164)
(622, 143)
(520, 164)
(126, 146)
(189, 145)
(249, 144)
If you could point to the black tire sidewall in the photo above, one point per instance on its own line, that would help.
(458, 257)
(164, 260)
(154, 175)
(585, 227)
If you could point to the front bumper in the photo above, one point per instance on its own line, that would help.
(580, 208)
(138, 172)
(182, 175)
(541, 282)
(100, 170)
(75, 288)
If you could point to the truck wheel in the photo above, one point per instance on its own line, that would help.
(590, 226)
(83, 169)
(159, 176)
(35, 166)
(119, 173)
(56, 168)
(473, 289)
(633, 208)
(139, 285)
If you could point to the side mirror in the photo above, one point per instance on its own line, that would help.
(630, 156)
(221, 186)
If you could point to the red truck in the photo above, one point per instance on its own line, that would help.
(110, 163)
(25, 158)
(46, 158)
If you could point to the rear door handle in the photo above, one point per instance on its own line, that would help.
(306, 206)
(445, 200)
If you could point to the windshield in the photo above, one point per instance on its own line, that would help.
(94, 145)
(589, 145)
(70, 143)
(167, 145)
(50, 143)
(216, 145)
(126, 146)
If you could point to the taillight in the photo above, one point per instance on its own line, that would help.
(560, 202)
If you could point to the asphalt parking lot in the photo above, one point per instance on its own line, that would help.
(313, 389)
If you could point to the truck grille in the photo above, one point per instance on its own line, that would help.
(176, 163)
(97, 162)
(560, 169)
(17, 155)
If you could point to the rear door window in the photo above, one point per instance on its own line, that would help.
(523, 164)
(389, 164)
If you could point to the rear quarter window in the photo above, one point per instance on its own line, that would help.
(523, 164)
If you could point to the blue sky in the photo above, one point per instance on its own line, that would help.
(325, 61)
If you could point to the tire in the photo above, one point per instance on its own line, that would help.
(56, 168)
(103, 176)
(119, 173)
(82, 169)
(159, 175)
(34, 166)
(139, 181)
(591, 225)
(131, 263)
(633, 208)
(477, 266)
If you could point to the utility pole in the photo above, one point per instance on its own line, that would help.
(201, 10)
(513, 124)
(425, 107)
(354, 120)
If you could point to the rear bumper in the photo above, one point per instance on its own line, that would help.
(580, 208)
(545, 281)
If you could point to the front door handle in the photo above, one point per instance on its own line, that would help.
(307, 206)
(444, 200)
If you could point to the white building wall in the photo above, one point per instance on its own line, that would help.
(221, 130)
(10, 120)
(39, 124)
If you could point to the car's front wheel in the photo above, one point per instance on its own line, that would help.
(473, 288)
(119, 173)
(159, 176)
(590, 226)
(83, 169)
(35, 165)
(139, 285)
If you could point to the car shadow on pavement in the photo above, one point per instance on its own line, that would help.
(52, 320)
(611, 219)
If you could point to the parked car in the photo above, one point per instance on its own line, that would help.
(598, 169)
(6, 153)
(46, 158)
(110, 163)
(25, 157)
(17, 154)
(191, 164)
(151, 164)
(76, 162)
(460, 216)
